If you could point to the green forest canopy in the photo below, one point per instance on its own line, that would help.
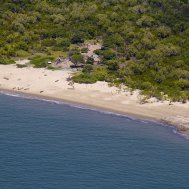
(145, 42)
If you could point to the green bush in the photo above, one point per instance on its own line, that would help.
(84, 50)
(22, 53)
(77, 38)
(84, 78)
(62, 42)
(77, 58)
(87, 68)
(6, 61)
(41, 62)
(90, 60)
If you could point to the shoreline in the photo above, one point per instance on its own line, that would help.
(92, 108)
(76, 104)
(95, 108)
(53, 86)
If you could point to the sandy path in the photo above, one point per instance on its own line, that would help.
(54, 84)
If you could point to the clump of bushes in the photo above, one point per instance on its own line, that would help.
(84, 50)
(40, 61)
(84, 78)
(91, 74)
(77, 58)
(6, 61)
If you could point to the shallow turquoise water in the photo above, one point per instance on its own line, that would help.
(45, 145)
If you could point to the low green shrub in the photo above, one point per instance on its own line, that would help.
(6, 61)
(84, 78)
(41, 62)
(84, 50)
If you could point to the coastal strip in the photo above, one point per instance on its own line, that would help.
(54, 85)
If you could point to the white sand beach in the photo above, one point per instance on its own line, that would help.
(54, 84)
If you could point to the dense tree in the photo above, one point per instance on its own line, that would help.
(77, 58)
(145, 43)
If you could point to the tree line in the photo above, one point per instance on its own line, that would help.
(145, 43)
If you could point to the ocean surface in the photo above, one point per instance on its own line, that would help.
(45, 145)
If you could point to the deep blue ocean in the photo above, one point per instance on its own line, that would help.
(44, 145)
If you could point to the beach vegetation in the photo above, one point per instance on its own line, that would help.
(84, 78)
(84, 50)
(6, 61)
(40, 61)
(77, 58)
(144, 43)
(90, 60)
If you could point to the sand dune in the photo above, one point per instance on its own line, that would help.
(54, 84)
